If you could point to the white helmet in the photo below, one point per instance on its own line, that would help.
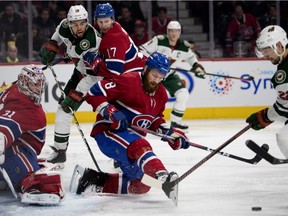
(31, 82)
(269, 37)
(77, 12)
(174, 25)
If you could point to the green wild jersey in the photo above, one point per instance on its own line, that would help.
(77, 47)
(180, 56)
(280, 84)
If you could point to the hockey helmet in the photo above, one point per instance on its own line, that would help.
(104, 11)
(269, 37)
(31, 82)
(173, 25)
(159, 62)
(77, 12)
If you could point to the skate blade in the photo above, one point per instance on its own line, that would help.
(77, 174)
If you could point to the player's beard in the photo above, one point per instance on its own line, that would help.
(149, 86)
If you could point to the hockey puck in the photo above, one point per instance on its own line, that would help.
(256, 208)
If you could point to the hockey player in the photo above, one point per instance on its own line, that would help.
(119, 56)
(178, 51)
(79, 37)
(272, 45)
(22, 136)
(131, 99)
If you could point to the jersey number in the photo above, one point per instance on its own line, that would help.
(110, 85)
(9, 113)
(111, 52)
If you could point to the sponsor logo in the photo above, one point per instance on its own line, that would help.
(220, 85)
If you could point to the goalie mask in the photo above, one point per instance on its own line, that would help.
(31, 82)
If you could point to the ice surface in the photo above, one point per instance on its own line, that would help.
(221, 187)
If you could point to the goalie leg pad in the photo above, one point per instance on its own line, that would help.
(41, 185)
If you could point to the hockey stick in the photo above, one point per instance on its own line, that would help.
(167, 186)
(268, 157)
(75, 119)
(253, 160)
(8, 181)
(249, 78)
(56, 61)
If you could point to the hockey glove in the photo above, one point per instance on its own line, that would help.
(259, 120)
(118, 119)
(180, 140)
(93, 61)
(72, 101)
(48, 52)
(198, 70)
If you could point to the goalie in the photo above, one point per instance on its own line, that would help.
(22, 136)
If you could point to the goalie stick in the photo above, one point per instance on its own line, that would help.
(268, 157)
(166, 186)
(8, 181)
(75, 119)
(253, 160)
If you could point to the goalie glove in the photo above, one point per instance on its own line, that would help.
(118, 119)
(93, 61)
(198, 70)
(180, 140)
(72, 101)
(259, 120)
(48, 52)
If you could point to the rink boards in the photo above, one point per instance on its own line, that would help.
(210, 98)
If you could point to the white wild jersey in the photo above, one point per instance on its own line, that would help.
(77, 47)
(180, 56)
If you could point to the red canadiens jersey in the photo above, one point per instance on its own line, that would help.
(120, 53)
(247, 31)
(21, 121)
(127, 94)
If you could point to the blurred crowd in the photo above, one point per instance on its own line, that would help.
(236, 23)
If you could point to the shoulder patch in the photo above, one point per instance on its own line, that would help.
(280, 76)
(161, 37)
(65, 24)
(186, 43)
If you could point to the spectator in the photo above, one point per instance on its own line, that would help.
(194, 48)
(126, 20)
(61, 14)
(21, 8)
(140, 36)
(22, 44)
(242, 31)
(12, 54)
(45, 24)
(160, 22)
(269, 18)
(10, 23)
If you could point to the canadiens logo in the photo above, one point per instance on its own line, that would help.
(84, 44)
(280, 76)
(143, 121)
